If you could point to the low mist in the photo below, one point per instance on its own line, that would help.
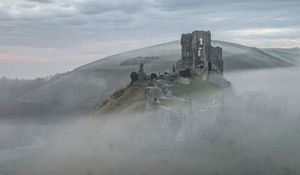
(272, 85)
(252, 129)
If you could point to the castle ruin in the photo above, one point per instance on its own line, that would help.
(199, 55)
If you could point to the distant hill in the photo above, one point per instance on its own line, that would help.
(291, 55)
(239, 57)
(81, 90)
(236, 57)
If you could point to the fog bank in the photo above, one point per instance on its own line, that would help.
(253, 131)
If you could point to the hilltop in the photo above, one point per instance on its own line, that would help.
(199, 69)
(131, 98)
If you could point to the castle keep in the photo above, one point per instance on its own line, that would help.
(199, 55)
(198, 58)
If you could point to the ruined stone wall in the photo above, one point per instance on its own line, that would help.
(195, 49)
(205, 35)
(217, 79)
(141, 72)
(216, 59)
(187, 50)
(199, 55)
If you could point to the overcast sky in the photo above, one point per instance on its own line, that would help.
(42, 37)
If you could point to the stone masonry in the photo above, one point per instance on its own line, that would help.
(199, 55)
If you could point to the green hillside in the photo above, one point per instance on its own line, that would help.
(131, 97)
(236, 57)
(291, 55)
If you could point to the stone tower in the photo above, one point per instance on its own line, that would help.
(199, 55)
(141, 72)
(195, 49)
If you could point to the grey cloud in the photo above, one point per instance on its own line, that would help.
(223, 4)
(158, 18)
(98, 7)
(42, 1)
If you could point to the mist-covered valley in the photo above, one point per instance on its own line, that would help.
(255, 130)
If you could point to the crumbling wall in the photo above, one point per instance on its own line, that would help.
(187, 50)
(216, 59)
(217, 79)
(199, 55)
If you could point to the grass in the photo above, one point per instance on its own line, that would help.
(197, 86)
(132, 95)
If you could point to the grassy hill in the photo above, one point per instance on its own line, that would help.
(236, 57)
(291, 55)
(82, 89)
(131, 97)
(239, 57)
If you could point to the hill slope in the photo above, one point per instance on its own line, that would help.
(236, 57)
(82, 89)
(239, 57)
(291, 55)
(131, 98)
